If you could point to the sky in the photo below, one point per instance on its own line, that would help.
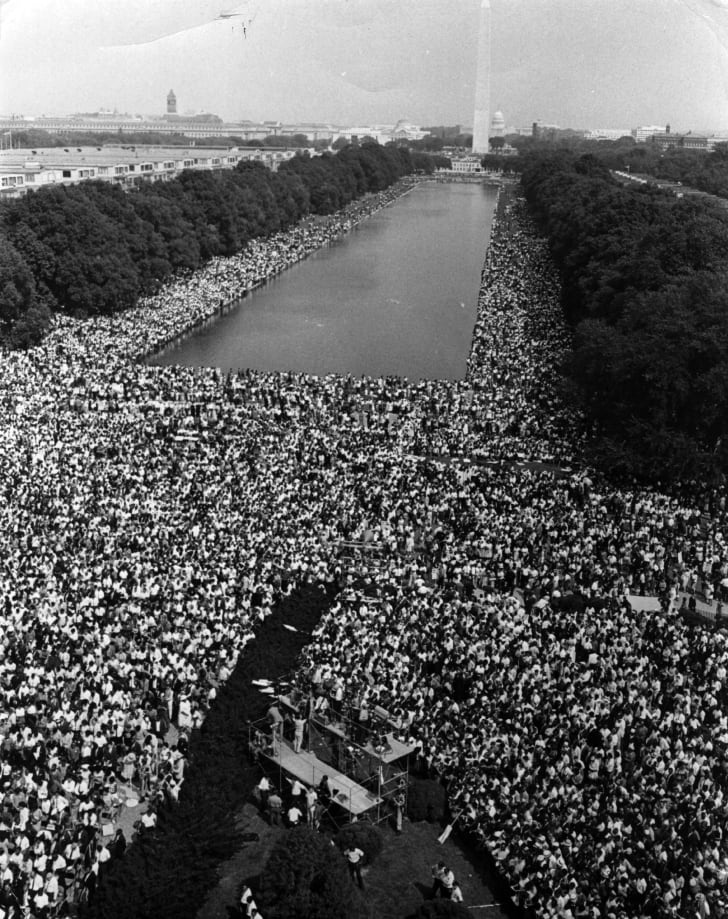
(575, 63)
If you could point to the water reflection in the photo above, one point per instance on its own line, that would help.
(395, 296)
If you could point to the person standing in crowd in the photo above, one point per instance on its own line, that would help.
(275, 807)
(263, 791)
(447, 885)
(354, 856)
(294, 815)
(438, 872)
(298, 793)
(311, 802)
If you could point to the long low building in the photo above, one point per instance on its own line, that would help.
(25, 169)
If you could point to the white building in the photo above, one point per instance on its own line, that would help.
(498, 125)
(645, 132)
(25, 170)
(470, 165)
(608, 133)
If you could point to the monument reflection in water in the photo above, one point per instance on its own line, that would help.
(396, 296)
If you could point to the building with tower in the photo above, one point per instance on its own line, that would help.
(171, 103)
(481, 119)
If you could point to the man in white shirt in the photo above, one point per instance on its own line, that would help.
(354, 857)
(294, 815)
(264, 791)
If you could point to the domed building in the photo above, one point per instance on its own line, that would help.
(405, 130)
(498, 125)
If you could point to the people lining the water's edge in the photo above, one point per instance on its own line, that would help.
(152, 516)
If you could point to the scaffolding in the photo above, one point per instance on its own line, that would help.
(368, 767)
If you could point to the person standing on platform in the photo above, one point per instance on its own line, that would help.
(354, 856)
(276, 719)
(362, 732)
(324, 791)
(299, 724)
(337, 698)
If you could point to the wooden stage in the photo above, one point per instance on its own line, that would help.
(309, 769)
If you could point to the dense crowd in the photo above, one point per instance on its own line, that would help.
(143, 538)
(151, 517)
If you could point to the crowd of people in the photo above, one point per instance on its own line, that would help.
(136, 566)
(151, 517)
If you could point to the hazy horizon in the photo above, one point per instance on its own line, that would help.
(576, 63)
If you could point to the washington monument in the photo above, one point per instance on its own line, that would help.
(481, 120)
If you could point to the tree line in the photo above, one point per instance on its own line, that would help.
(645, 285)
(93, 248)
(705, 170)
(28, 138)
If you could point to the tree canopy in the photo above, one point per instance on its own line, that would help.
(94, 248)
(645, 287)
(307, 878)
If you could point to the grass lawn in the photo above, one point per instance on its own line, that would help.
(395, 885)
(401, 879)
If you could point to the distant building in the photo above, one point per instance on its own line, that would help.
(608, 133)
(205, 126)
(171, 103)
(670, 141)
(405, 131)
(645, 132)
(498, 126)
(26, 170)
(542, 129)
(466, 165)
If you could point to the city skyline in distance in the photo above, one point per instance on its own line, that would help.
(602, 63)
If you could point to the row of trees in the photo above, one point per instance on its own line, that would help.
(696, 168)
(36, 137)
(699, 169)
(92, 248)
(645, 285)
